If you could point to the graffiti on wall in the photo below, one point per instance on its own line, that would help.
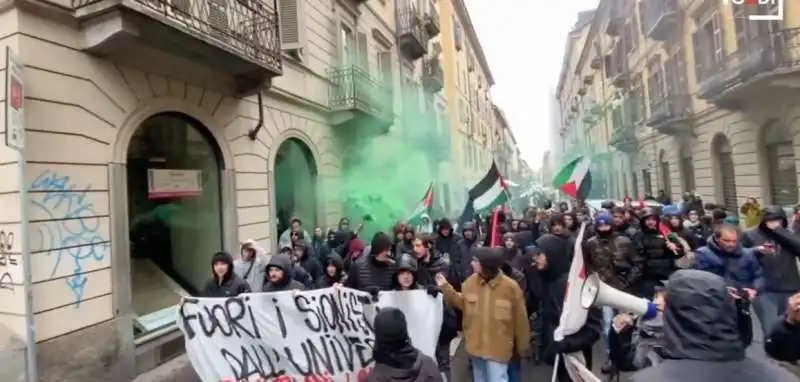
(7, 260)
(71, 230)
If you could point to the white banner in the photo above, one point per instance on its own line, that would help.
(320, 335)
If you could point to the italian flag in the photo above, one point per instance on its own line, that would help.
(424, 207)
(490, 192)
(575, 179)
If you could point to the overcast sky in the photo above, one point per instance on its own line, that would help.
(524, 43)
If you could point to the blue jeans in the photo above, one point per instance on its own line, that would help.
(769, 306)
(484, 370)
(608, 318)
(515, 371)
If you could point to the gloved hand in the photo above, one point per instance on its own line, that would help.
(373, 291)
(555, 348)
(432, 290)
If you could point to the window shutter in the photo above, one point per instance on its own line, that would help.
(716, 38)
(292, 24)
(699, 58)
(386, 68)
(363, 51)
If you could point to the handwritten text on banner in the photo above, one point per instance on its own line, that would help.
(321, 335)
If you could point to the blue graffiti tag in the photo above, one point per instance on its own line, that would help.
(72, 227)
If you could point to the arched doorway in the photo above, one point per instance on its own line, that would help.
(687, 168)
(779, 152)
(295, 185)
(725, 177)
(666, 178)
(174, 190)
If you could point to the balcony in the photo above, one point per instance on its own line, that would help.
(588, 79)
(411, 36)
(616, 20)
(623, 139)
(432, 75)
(596, 63)
(360, 101)
(661, 19)
(596, 110)
(672, 115)
(582, 92)
(432, 25)
(621, 80)
(238, 38)
(589, 120)
(763, 63)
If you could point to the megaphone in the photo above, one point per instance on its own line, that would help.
(597, 293)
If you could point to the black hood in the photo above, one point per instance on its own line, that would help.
(222, 257)
(700, 319)
(445, 224)
(773, 213)
(408, 263)
(392, 343)
(284, 263)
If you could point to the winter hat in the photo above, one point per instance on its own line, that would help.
(602, 219)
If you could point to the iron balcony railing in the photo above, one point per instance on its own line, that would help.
(432, 75)
(758, 57)
(623, 137)
(432, 19)
(669, 109)
(656, 11)
(410, 20)
(353, 88)
(247, 27)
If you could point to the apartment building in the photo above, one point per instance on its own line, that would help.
(504, 141)
(468, 81)
(158, 132)
(579, 94)
(700, 97)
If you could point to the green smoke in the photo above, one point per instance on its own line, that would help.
(386, 176)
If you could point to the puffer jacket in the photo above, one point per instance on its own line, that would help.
(615, 260)
(739, 267)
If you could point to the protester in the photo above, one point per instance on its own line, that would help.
(495, 324)
(778, 252)
(429, 260)
(279, 275)
(375, 271)
(319, 246)
(334, 272)
(616, 261)
(251, 265)
(296, 227)
(752, 212)
(701, 337)
(660, 253)
(224, 281)
(396, 359)
(783, 341)
(303, 256)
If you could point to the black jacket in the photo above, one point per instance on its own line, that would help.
(701, 337)
(231, 285)
(367, 274)
(780, 269)
(783, 342)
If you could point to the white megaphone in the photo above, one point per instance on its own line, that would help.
(597, 293)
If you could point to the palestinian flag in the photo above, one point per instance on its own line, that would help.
(490, 192)
(575, 179)
(424, 207)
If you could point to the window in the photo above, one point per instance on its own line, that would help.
(674, 75)
(707, 42)
(748, 30)
(655, 83)
(348, 42)
(635, 111)
(457, 35)
(385, 67)
(631, 37)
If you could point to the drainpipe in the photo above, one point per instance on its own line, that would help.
(253, 133)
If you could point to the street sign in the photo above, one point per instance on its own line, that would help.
(15, 102)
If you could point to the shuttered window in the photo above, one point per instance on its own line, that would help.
(666, 178)
(647, 182)
(635, 185)
(292, 24)
(728, 175)
(362, 55)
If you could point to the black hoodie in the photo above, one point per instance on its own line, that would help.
(701, 336)
(780, 268)
(284, 263)
(326, 281)
(396, 359)
(231, 285)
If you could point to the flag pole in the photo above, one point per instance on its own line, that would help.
(555, 368)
